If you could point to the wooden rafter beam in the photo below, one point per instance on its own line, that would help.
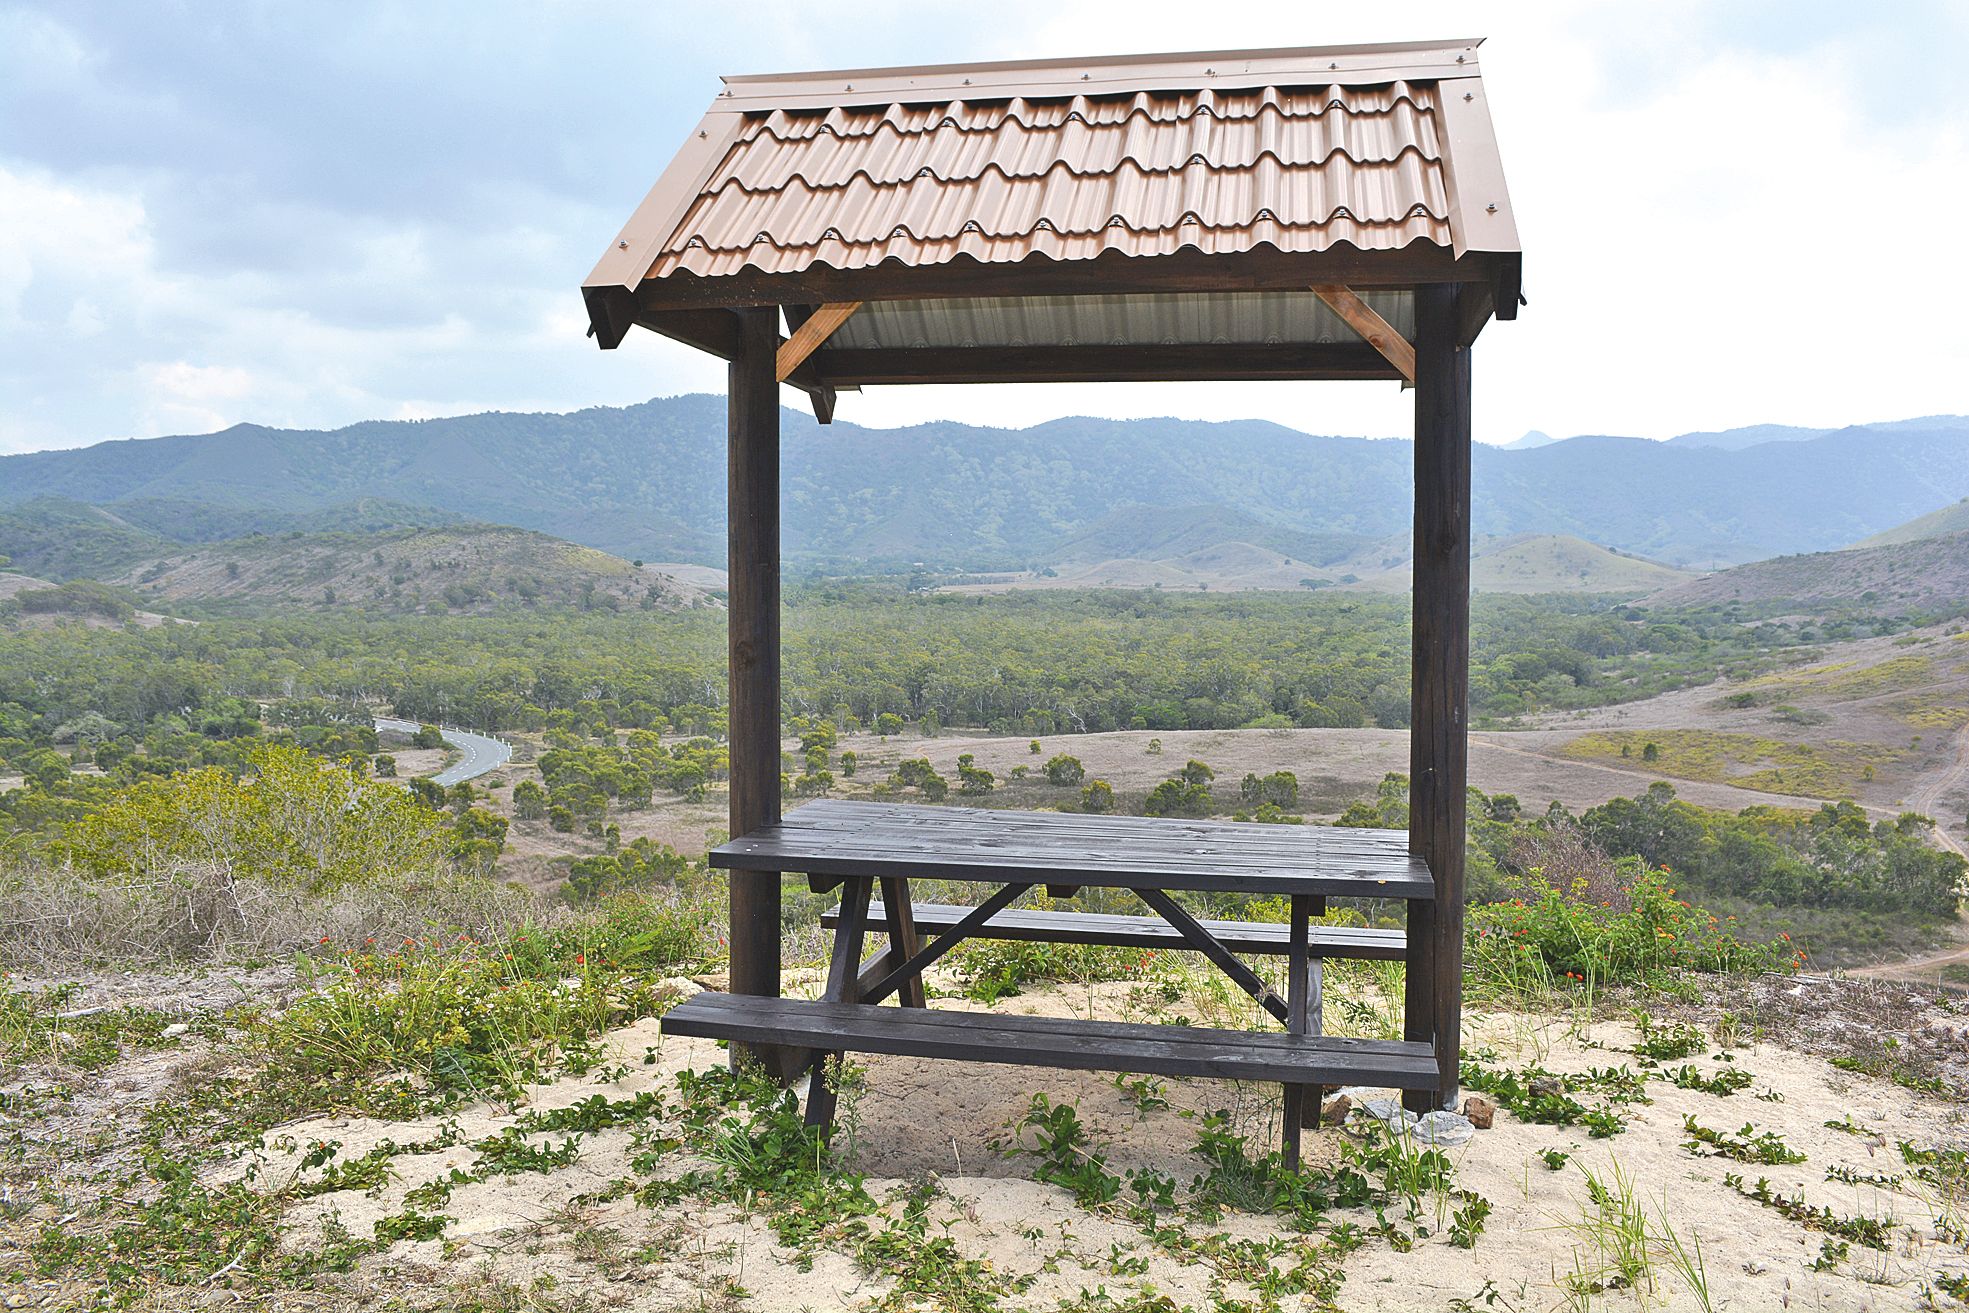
(1360, 316)
(807, 338)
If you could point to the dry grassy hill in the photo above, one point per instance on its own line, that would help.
(469, 569)
(1925, 574)
(1544, 563)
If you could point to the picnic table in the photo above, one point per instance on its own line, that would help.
(854, 846)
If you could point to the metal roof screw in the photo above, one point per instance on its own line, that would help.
(1491, 208)
(702, 133)
(1469, 95)
(967, 82)
(1459, 59)
(851, 86)
(1085, 76)
(1334, 64)
(1210, 72)
(622, 246)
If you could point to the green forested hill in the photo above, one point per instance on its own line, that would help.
(648, 481)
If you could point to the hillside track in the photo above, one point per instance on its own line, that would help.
(1933, 793)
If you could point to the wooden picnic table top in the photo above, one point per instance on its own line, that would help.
(836, 838)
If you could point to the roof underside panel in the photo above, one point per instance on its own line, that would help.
(1302, 169)
(1241, 318)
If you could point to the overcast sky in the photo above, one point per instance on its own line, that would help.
(309, 214)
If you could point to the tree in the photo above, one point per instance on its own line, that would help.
(1065, 771)
(1098, 796)
(1195, 772)
(1033, 747)
(529, 800)
(888, 723)
(427, 736)
(386, 766)
(849, 759)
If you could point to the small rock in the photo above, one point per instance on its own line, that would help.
(1336, 1110)
(1547, 1087)
(174, 1030)
(1480, 1111)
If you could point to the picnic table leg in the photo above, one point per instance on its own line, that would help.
(903, 939)
(1316, 1023)
(843, 977)
(1298, 990)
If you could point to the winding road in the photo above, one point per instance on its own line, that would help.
(482, 753)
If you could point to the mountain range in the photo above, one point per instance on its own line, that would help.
(647, 481)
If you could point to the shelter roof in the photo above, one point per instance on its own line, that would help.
(971, 205)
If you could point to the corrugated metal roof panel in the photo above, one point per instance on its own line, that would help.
(766, 160)
(1305, 151)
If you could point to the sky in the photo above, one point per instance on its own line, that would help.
(305, 214)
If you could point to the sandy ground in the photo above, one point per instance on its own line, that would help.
(947, 1124)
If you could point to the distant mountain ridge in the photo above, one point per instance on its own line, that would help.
(648, 481)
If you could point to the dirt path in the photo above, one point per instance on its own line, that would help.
(1916, 968)
(1928, 799)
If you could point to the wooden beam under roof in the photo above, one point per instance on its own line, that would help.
(806, 339)
(1361, 317)
(1100, 363)
(1107, 275)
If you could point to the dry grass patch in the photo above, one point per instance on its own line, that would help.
(1831, 769)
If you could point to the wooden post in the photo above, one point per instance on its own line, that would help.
(752, 626)
(1438, 716)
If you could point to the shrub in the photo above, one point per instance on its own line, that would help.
(1098, 796)
(1655, 939)
(1064, 770)
(917, 773)
(1280, 789)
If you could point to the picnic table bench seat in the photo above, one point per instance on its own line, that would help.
(1047, 926)
(1060, 1042)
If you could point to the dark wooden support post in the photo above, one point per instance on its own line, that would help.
(752, 625)
(1438, 749)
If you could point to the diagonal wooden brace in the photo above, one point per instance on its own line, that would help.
(1207, 944)
(806, 339)
(1361, 317)
(950, 939)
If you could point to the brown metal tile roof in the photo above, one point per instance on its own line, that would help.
(1369, 147)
